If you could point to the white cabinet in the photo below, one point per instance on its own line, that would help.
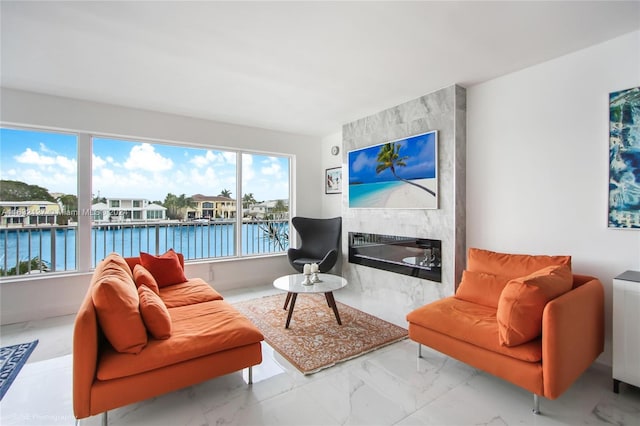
(626, 329)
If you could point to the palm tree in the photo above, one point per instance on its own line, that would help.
(175, 204)
(183, 203)
(247, 200)
(389, 158)
(171, 203)
(225, 193)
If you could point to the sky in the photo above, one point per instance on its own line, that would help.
(421, 151)
(129, 169)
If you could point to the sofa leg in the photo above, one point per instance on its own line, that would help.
(419, 350)
(536, 404)
(250, 382)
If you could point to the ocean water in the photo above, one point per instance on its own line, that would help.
(194, 241)
(371, 194)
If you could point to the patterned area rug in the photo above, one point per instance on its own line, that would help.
(12, 358)
(314, 340)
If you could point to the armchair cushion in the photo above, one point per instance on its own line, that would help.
(481, 288)
(511, 265)
(523, 300)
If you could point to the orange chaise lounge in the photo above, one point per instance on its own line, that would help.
(136, 338)
(526, 319)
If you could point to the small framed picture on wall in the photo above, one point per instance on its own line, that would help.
(333, 181)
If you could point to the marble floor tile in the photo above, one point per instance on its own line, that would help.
(40, 395)
(389, 386)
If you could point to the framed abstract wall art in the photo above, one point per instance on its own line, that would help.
(624, 159)
(399, 174)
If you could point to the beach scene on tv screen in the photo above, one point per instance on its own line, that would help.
(397, 174)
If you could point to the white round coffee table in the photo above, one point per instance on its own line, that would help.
(292, 284)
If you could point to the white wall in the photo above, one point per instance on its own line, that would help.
(537, 162)
(46, 297)
(331, 203)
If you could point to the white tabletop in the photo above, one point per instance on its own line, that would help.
(293, 283)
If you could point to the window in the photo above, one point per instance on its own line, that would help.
(144, 197)
(187, 200)
(265, 203)
(38, 201)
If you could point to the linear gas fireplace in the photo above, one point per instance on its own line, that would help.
(417, 257)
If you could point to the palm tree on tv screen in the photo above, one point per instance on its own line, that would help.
(389, 158)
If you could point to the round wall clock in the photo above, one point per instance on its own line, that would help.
(335, 150)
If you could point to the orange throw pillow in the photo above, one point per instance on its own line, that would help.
(166, 268)
(117, 304)
(511, 265)
(481, 288)
(523, 300)
(117, 259)
(143, 277)
(154, 313)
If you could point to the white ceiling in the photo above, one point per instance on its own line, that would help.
(302, 67)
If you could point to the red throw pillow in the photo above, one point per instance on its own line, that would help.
(166, 268)
(523, 300)
(143, 277)
(481, 288)
(154, 313)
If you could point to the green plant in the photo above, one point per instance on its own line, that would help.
(276, 232)
(27, 266)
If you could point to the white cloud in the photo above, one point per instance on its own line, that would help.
(32, 157)
(230, 157)
(44, 148)
(248, 173)
(68, 164)
(272, 168)
(213, 157)
(202, 160)
(47, 162)
(98, 162)
(203, 179)
(45, 177)
(145, 157)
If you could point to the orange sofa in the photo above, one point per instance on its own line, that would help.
(136, 338)
(526, 319)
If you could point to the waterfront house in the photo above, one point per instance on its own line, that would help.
(275, 209)
(127, 210)
(24, 213)
(211, 207)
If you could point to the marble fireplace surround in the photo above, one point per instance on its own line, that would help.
(444, 111)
